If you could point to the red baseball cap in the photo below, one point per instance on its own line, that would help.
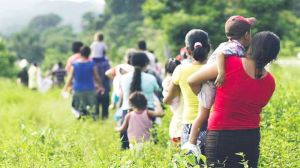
(237, 26)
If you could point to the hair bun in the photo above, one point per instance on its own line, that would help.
(198, 45)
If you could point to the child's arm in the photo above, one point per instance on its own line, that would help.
(111, 73)
(221, 69)
(124, 126)
(173, 91)
(159, 112)
(99, 86)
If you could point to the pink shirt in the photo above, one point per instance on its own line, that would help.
(70, 61)
(139, 127)
(239, 101)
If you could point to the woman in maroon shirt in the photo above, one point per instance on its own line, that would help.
(233, 125)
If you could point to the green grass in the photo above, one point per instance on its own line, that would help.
(38, 130)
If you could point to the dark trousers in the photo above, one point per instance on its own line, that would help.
(222, 148)
(102, 100)
(123, 135)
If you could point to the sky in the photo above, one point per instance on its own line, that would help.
(15, 14)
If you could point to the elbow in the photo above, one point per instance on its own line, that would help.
(166, 100)
(194, 87)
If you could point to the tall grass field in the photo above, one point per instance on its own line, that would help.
(38, 130)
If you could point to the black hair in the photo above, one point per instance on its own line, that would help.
(171, 64)
(76, 46)
(85, 51)
(197, 35)
(142, 45)
(129, 53)
(138, 100)
(238, 35)
(60, 64)
(264, 47)
(139, 60)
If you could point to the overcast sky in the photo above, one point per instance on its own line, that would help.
(15, 14)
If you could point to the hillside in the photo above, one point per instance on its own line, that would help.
(16, 14)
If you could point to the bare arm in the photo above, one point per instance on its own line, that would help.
(173, 91)
(221, 69)
(208, 72)
(111, 73)
(197, 124)
(159, 112)
(69, 80)
(124, 126)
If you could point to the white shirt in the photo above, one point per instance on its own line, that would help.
(98, 49)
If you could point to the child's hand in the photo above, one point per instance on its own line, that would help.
(220, 79)
(117, 129)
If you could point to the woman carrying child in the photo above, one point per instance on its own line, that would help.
(233, 125)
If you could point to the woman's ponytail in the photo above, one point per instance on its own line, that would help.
(264, 47)
(139, 60)
(136, 81)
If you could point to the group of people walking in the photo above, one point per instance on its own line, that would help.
(223, 94)
(216, 99)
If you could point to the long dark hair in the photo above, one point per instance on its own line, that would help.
(196, 40)
(139, 60)
(264, 47)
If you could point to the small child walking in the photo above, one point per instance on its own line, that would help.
(138, 122)
(176, 106)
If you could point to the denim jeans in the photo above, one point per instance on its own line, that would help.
(186, 130)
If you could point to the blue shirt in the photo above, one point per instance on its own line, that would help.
(83, 76)
(148, 84)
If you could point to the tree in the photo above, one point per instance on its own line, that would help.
(27, 45)
(43, 22)
(7, 60)
(176, 17)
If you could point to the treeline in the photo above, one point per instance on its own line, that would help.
(162, 23)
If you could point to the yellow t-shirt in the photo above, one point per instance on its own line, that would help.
(190, 100)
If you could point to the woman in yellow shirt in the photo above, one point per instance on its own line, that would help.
(198, 47)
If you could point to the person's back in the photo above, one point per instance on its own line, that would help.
(240, 99)
(33, 75)
(83, 76)
(23, 76)
(148, 87)
(139, 127)
(98, 49)
(76, 46)
(190, 100)
(59, 75)
(98, 46)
